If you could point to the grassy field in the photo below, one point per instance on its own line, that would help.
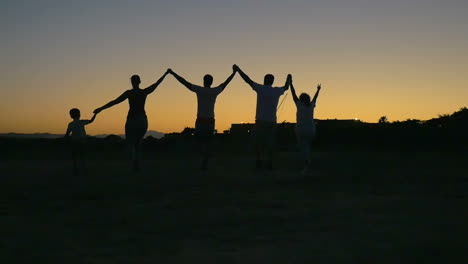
(356, 207)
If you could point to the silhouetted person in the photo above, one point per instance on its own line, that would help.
(305, 125)
(265, 119)
(137, 122)
(206, 98)
(76, 129)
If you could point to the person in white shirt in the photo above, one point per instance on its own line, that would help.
(265, 119)
(137, 122)
(206, 99)
(76, 129)
(305, 125)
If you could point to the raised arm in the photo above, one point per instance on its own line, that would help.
(180, 79)
(92, 118)
(288, 82)
(293, 91)
(155, 85)
(319, 87)
(118, 100)
(244, 76)
(228, 80)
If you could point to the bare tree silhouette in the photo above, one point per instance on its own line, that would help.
(383, 120)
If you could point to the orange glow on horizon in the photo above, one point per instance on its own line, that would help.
(401, 60)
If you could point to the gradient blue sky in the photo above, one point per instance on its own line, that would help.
(403, 59)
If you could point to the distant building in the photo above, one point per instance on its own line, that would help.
(241, 129)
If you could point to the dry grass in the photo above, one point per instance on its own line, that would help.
(357, 207)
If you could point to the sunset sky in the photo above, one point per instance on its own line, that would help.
(400, 58)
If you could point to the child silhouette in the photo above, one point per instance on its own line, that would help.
(76, 129)
(305, 125)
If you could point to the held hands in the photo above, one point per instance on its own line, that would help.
(235, 68)
(169, 71)
(289, 82)
(97, 110)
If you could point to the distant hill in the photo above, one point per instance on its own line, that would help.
(152, 133)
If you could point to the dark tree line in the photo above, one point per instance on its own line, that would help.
(443, 133)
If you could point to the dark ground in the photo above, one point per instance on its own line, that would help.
(357, 207)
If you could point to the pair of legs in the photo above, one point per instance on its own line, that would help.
(265, 137)
(78, 156)
(135, 129)
(204, 130)
(304, 135)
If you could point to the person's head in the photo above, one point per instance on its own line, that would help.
(207, 80)
(269, 79)
(75, 113)
(135, 79)
(304, 98)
